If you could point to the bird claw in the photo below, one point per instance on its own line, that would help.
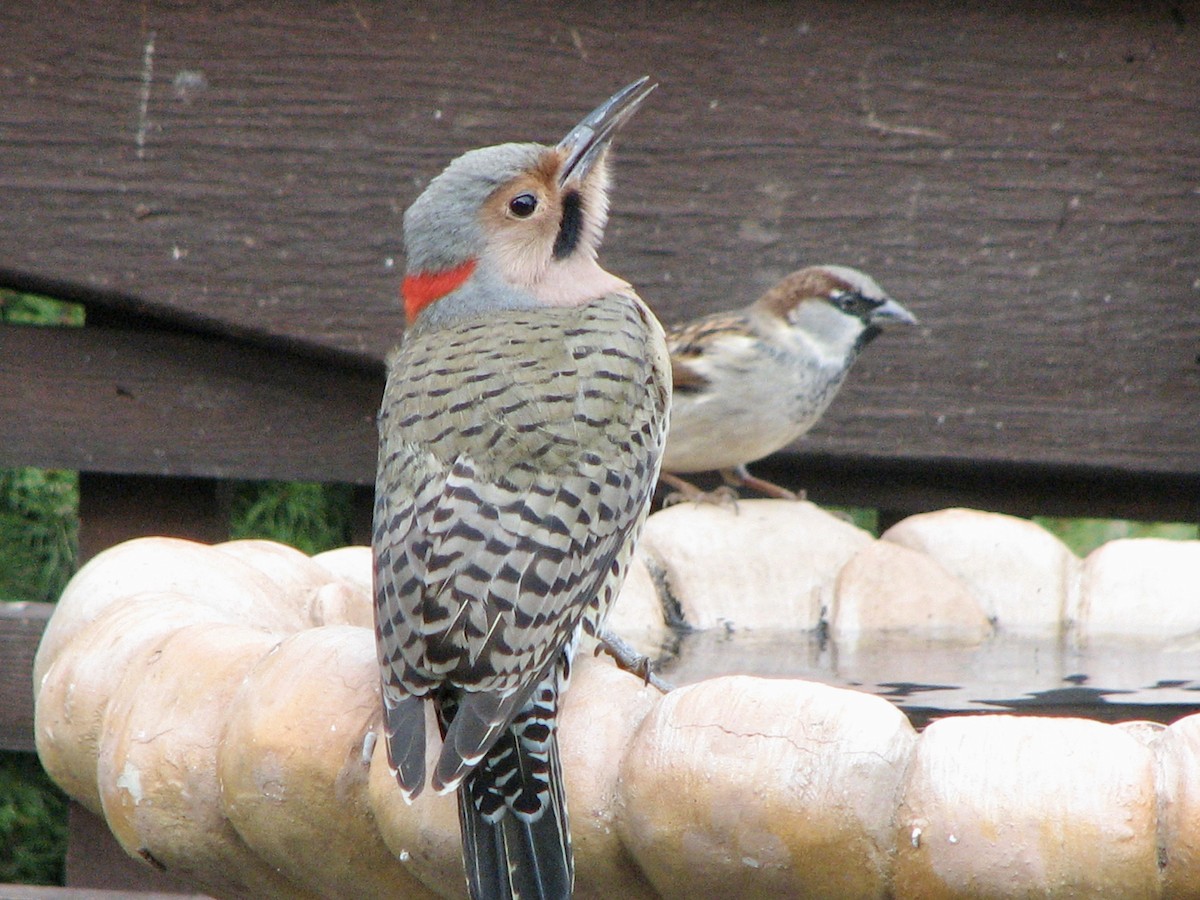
(630, 660)
(685, 491)
(726, 494)
(722, 496)
(740, 476)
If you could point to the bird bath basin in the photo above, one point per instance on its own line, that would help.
(218, 706)
(929, 679)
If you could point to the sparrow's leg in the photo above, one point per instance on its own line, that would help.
(685, 491)
(630, 660)
(739, 476)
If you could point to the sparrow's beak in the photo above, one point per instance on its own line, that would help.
(587, 141)
(889, 312)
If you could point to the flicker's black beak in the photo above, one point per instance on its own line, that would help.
(586, 142)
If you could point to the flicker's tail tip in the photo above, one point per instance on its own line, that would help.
(514, 859)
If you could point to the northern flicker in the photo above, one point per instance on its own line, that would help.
(520, 435)
(751, 381)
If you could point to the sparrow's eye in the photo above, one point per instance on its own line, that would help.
(854, 304)
(522, 205)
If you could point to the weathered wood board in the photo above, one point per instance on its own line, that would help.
(1025, 176)
(21, 627)
(168, 403)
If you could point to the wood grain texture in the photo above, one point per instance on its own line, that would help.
(21, 627)
(1023, 176)
(172, 403)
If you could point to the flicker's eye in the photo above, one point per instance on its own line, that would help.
(522, 205)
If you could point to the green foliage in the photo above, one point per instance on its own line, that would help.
(1085, 535)
(26, 309)
(311, 517)
(33, 823)
(866, 519)
(39, 532)
(39, 527)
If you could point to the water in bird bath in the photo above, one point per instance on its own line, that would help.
(927, 679)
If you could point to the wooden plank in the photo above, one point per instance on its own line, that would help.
(178, 404)
(35, 892)
(903, 487)
(96, 861)
(117, 508)
(1022, 175)
(173, 403)
(362, 514)
(21, 627)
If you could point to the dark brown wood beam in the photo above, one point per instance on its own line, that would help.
(116, 508)
(172, 403)
(904, 487)
(21, 627)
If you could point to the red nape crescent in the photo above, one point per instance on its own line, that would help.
(423, 288)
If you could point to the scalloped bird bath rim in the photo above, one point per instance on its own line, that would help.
(215, 704)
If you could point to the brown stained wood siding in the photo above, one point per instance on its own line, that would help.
(1024, 176)
(163, 403)
(21, 627)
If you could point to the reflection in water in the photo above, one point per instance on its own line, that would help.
(932, 678)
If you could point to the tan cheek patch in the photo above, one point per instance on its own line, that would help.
(521, 247)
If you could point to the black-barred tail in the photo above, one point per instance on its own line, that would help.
(512, 810)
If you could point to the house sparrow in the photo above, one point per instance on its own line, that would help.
(751, 381)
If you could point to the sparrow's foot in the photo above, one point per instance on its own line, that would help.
(687, 492)
(739, 476)
(630, 660)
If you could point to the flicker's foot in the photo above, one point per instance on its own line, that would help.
(740, 476)
(685, 491)
(631, 661)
